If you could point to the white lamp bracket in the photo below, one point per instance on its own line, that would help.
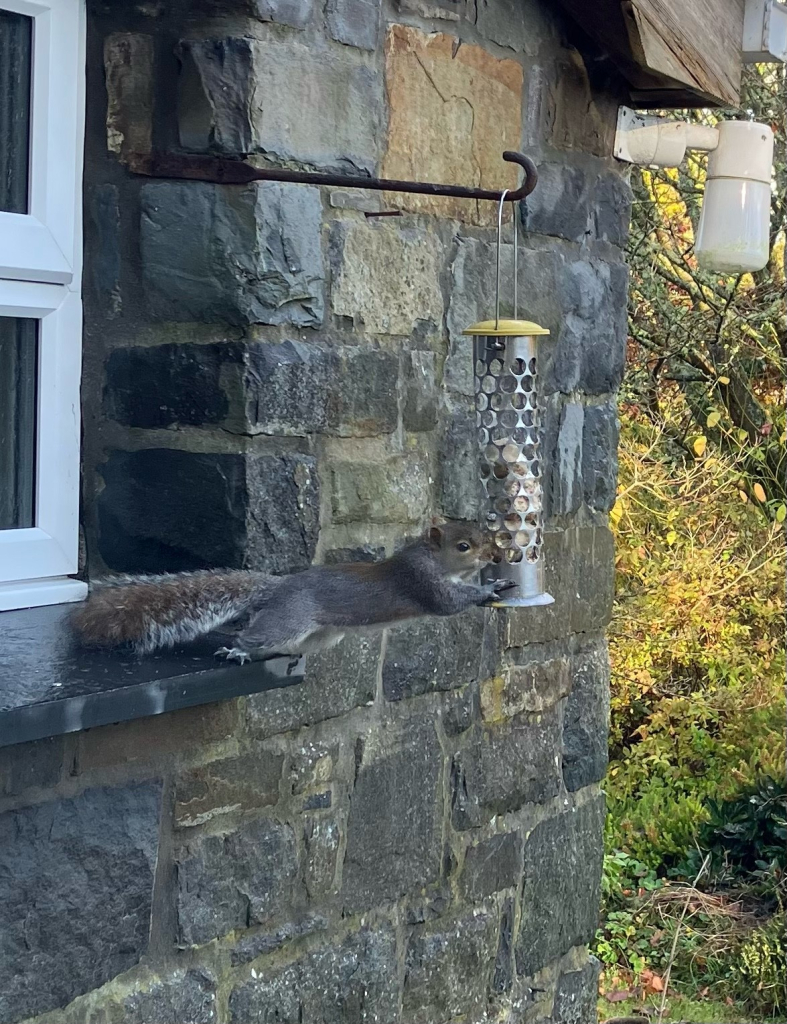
(733, 232)
(658, 141)
(764, 32)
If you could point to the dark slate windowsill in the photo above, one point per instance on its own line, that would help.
(49, 685)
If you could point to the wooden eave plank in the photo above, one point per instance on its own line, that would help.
(665, 50)
(697, 43)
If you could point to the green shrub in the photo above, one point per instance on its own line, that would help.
(697, 734)
(696, 644)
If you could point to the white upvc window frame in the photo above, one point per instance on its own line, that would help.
(40, 277)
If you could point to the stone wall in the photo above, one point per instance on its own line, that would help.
(413, 835)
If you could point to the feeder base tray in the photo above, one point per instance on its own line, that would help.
(525, 602)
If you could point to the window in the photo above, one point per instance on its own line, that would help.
(42, 62)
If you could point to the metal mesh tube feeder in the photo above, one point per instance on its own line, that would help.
(506, 373)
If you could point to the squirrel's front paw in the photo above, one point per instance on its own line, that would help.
(233, 654)
(496, 588)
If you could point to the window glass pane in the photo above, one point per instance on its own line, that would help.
(16, 48)
(18, 377)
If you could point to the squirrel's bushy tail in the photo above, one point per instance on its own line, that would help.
(153, 612)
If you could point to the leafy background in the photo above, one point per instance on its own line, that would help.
(696, 783)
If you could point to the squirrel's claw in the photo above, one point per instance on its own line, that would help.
(233, 654)
(495, 589)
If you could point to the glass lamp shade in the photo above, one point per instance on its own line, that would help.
(733, 232)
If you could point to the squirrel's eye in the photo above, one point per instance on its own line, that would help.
(463, 546)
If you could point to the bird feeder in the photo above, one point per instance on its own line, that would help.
(506, 363)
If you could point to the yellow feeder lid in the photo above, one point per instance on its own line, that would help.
(506, 328)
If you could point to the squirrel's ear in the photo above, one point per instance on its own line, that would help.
(435, 533)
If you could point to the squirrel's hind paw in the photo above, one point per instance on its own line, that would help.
(233, 654)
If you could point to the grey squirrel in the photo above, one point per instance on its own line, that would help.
(296, 614)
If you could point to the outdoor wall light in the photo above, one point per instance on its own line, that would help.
(733, 234)
(506, 367)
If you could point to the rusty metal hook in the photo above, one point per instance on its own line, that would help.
(228, 171)
(531, 175)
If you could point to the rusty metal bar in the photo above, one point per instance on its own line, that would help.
(225, 171)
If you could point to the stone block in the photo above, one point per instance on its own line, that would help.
(321, 107)
(446, 10)
(433, 654)
(364, 553)
(157, 737)
(185, 996)
(612, 210)
(30, 765)
(251, 946)
(564, 461)
(387, 276)
(227, 786)
(317, 801)
(605, 333)
(579, 572)
(577, 994)
(128, 73)
(438, 91)
(394, 491)
(76, 884)
(600, 455)
(492, 865)
(220, 254)
(290, 389)
(301, 388)
(551, 411)
(434, 901)
(586, 720)
(580, 117)
(579, 204)
(292, 13)
(163, 385)
(352, 982)
(563, 202)
(420, 393)
(235, 880)
(492, 651)
(282, 512)
(215, 87)
(560, 898)
(465, 812)
(589, 350)
(537, 682)
(394, 828)
(364, 202)
(458, 712)
(321, 839)
(337, 680)
(461, 492)
(447, 968)
(102, 247)
(312, 766)
(253, 511)
(354, 22)
(503, 977)
(506, 766)
(511, 24)
(295, 13)
(473, 299)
